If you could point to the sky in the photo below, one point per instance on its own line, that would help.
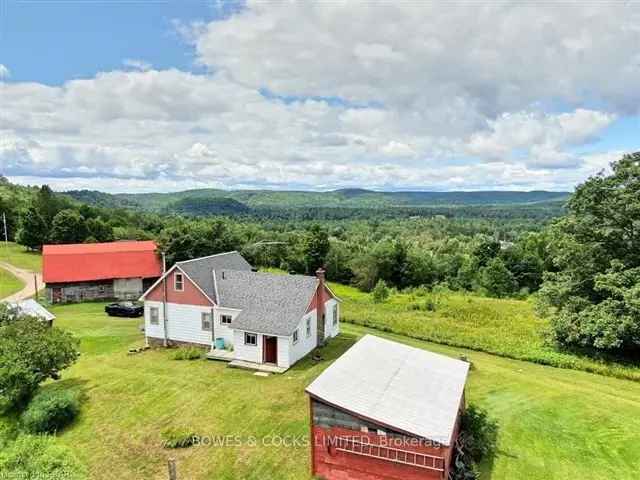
(167, 95)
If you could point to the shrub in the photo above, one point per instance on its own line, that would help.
(187, 353)
(180, 437)
(477, 441)
(380, 292)
(50, 411)
(36, 457)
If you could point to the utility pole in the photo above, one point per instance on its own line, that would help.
(6, 235)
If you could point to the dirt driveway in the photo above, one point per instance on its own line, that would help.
(27, 277)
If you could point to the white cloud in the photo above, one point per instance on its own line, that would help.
(137, 64)
(4, 72)
(435, 96)
(489, 58)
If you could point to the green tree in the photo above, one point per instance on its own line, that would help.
(30, 353)
(496, 279)
(68, 226)
(33, 230)
(49, 204)
(187, 240)
(99, 230)
(380, 292)
(593, 297)
(316, 248)
(485, 251)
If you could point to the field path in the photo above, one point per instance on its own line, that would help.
(26, 277)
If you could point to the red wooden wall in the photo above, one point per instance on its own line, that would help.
(191, 295)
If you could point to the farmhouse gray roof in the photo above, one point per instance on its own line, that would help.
(200, 270)
(400, 387)
(270, 303)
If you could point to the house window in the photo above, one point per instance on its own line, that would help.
(154, 316)
(225, 319)
(295, 336)
(250, 339)
(308, 327)
(335, 314)
(206, 321)
(178, 282)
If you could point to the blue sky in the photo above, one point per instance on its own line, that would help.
(167, 95)
(55, 41)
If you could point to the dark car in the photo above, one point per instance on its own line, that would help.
(124, 309)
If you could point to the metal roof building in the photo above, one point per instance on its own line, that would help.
(385, 389)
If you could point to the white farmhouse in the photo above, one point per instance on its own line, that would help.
(252, 319)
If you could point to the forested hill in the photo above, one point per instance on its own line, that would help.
(355, 201)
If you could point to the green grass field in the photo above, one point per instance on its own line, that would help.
(20, 257)
(9, 284)
(554, 423)
(501, 326)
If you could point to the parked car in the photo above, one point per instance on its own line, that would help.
(124, 309)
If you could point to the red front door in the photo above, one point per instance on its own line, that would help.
(270, 349)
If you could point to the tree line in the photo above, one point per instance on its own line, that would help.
(584, 267)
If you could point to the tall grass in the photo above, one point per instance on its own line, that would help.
(504, 327)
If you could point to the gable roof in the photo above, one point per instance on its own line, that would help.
(270, 303)
(200, 270)
(403, 388)
(100, 261)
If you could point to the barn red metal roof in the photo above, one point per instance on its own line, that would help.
(100, 261)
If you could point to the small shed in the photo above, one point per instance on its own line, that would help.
(33, 309)
(386, 411)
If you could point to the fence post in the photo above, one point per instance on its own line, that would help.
(173, 475)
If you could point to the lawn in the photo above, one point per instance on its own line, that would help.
(9, 284)
(20, 257)
(554, 423)
(505, 327)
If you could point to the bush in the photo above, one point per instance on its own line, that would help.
(30, 353)
(477, 441)
(187, 353)
(36, 457)
(380, 292)
(178, 438)
(50, 411)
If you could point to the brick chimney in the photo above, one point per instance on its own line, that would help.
(320, 273)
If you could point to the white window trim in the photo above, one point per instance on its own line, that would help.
(254, 335)
(175, 282)
(308, 327)
(295, 336)
(151, 316)
(223, 316)
(205, 317)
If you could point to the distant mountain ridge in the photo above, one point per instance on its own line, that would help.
(351, 197)
(203, 202)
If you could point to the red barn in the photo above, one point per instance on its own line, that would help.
(386, 411)
(90, 271)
